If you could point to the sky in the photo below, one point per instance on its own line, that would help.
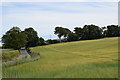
(60, 0)
(45, 16)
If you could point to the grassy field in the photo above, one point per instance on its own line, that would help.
(80, 59)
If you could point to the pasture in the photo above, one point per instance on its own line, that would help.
(79, 59)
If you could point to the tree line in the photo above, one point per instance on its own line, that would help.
(88, 32)
(15, 38)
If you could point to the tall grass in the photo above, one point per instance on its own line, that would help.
(80, 59)
(10, 55)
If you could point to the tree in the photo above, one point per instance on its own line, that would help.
(112, 31)
(72, 37)
(59, 31)
(91, 32)
(78, 31)
(32, 37)
(41, 41)
(66, 32)
(49, 41)
(103, 31)
(14, 38)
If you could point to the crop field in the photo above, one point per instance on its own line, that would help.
(79, 59)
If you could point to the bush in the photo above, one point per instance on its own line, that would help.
(49, 41)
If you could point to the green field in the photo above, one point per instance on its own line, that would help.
(80, 59)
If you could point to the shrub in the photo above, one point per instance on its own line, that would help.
(49, 41)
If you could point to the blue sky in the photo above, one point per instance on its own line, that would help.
(45, 16)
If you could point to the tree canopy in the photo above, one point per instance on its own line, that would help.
(60, 31)
(112, 31)
(32, 37)
(72, 37)
(78, 31)
(91, 32)
(88, 32)
(14, 38)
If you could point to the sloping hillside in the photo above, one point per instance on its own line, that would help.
(80, 59)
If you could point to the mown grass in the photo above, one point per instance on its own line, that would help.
(80, 59)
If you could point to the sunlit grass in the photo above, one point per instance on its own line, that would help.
(80, 59)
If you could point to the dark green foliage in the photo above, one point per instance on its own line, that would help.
(41, 41)
(78, 31)
(112, 31)
(14, 38)
(91, 32)
(66, 32)
(32, 37)
(88, 32)
(60, 31)
(72, 37)
(49, 41)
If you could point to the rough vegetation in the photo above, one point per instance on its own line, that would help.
(11, 57)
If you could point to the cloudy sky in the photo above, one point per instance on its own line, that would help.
(45, 16)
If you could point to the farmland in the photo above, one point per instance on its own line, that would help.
(79, 59)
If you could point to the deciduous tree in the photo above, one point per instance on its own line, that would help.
(14, 38)
(32, 37)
